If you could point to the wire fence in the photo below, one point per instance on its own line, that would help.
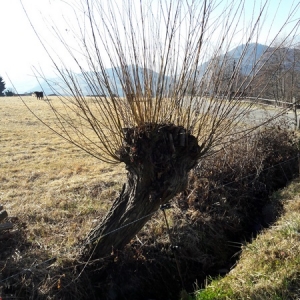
(51, 260)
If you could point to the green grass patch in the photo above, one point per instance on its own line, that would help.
(269, 266)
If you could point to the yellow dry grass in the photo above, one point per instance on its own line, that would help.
(55, 188)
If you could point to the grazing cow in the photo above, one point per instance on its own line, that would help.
(38, 95)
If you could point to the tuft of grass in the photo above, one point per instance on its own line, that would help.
(269, 265)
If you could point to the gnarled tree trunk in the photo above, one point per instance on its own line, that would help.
(158, 159)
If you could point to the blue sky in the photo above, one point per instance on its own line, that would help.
(21, 50)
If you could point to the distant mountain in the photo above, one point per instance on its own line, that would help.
(286, 58)
(245, 56)
(88, 83)
(254, 50)
(249, 55)
(254, 54)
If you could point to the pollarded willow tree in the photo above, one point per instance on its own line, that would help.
(166, 92)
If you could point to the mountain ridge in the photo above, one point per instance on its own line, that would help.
(245, 55)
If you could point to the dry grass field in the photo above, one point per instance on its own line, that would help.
(55, 193)
(53, 187)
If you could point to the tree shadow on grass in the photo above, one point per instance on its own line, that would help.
(13, 243)
(29, 272)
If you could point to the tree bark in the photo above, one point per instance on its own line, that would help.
(158, 159)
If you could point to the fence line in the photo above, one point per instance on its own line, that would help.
(30, 270)
(273, 102)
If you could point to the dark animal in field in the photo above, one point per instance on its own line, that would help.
(38, 95)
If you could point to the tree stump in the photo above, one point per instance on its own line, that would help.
(158, 158)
